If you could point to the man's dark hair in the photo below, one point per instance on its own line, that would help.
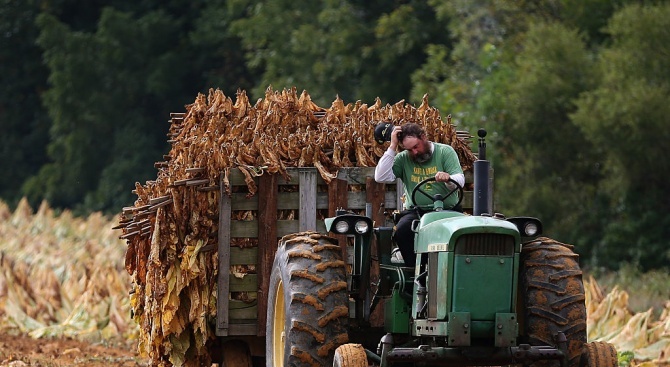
(411, 129)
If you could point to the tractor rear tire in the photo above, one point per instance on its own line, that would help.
(308, 304)
(553, 297)
(350, 355)
(599, 354)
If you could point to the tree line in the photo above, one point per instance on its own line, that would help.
(574, 94)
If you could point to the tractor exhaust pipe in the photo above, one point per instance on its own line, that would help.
(481, 201)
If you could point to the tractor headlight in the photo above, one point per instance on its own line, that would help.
(350, 224)
(342, 226)
(527, 226)
(361, 227)
(530, 229)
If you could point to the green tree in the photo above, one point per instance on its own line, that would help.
(218, 57)
(487, 36)
(403, 35)
(115, 75)
(628, 116)
(549, 169)
(357, 50)
(80, 101)
(25, 124)
(590, 16)
(103, 86)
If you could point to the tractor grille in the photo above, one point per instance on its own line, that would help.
(491, 244)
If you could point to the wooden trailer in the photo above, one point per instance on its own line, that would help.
(174, 218)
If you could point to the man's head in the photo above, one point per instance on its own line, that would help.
(412, 137)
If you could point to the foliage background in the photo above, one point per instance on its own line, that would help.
(574, 95)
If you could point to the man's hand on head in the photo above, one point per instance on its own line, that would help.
(394, 137)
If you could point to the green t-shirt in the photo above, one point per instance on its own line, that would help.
(444, 159)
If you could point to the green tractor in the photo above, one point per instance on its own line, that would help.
(485, 291)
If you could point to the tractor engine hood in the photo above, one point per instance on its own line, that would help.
(437, 233)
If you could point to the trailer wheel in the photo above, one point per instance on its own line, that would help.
(308, 304)
(350, 355)
(599, 354)
(236, 354)
(552, 294)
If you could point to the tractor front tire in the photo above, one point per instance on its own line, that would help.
(599, 354)
(308, 304)
(553, 297)
(350, 355)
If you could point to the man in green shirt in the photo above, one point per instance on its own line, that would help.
(420, 159)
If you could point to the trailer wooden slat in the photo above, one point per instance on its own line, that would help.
(267, 243)
(307, 199)
(249, 228)
(375, 195)
(243, 311)
(337, 198)
(223, 279)
(243, 329)
(247, 284)
(244, 256)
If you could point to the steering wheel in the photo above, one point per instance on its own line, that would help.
(437, 197)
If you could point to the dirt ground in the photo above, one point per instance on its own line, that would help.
(22, 350)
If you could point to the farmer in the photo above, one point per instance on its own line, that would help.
(419, 159)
